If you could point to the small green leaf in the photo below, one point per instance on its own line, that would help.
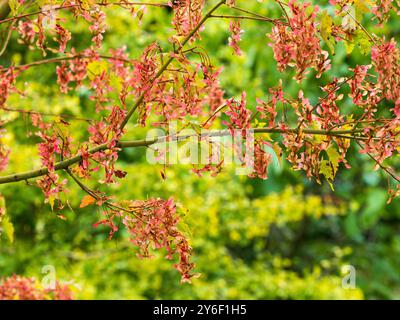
(116, 82)
(96, 68)
(334, 158)
(51, 200)
(326, 31)
(349, 44)
(8, 229)
(359, 39)
(361, 7)
(328, 168)
(6, 226)
(327, 171)
(363, 42)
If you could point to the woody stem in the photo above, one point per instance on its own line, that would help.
(342, 134)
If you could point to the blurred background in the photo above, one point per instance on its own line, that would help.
(285, 237)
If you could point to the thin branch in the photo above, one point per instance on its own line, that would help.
(248, 12)
(361, 26)
(388, 170)
(94, 194)
(7, 38)
(256, 15)
(220, 108)
(30, 14)
(46, 114)
(64, 58)
(246, 18)
(284, 11)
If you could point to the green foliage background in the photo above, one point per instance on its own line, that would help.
(286, 237)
